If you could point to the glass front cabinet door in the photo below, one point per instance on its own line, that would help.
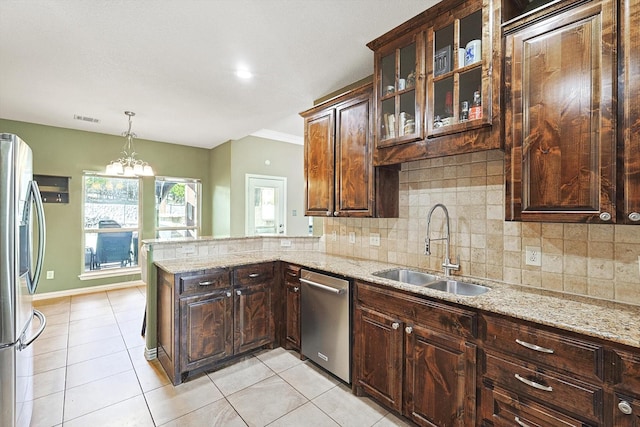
(399, 79)
(458, 59)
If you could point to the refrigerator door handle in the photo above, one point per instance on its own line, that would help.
(43, 323)
(37, 199)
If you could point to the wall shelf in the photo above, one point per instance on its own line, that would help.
(54, 189)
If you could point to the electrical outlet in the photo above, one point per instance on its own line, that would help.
(374, 239)
(50, 274)
(533, 256)
(334, 235)
(352, 237)
(285, 243)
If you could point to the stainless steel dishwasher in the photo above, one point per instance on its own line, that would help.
(326, 322)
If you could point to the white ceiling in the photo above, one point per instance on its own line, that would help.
(173, 62)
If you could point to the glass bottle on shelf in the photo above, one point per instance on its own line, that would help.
(456, 85)
(399, 103)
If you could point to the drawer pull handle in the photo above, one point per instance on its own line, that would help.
(625, 407)
(533, 384)
(254, 275)
(206, 283)
(534, 347)
(395, 325)
(292, 274)
(520, 423)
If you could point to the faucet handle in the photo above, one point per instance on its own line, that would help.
(427, 246)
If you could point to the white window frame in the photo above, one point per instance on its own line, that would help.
(110, 272)
(196, 228)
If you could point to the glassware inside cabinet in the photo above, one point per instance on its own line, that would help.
(388, 80)
(398, 93)
(388, 119)
(471, 38)
(407, 72)
(407, 116)
(470, 89)
(443, 94)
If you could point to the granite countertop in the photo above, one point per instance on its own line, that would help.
(597, 318)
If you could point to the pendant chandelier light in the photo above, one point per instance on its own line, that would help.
(128, 165)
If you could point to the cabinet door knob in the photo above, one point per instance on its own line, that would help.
(336, 213)
(634, 216)
(296, 289)
(605, 216)
(228, 294)
(625, 407)
(238, 292)
(329, 213)
(408, 329)
(395, 325)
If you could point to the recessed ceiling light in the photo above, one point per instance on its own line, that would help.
(243, 73)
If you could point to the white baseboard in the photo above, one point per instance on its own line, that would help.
(87, 290)
(150, 353)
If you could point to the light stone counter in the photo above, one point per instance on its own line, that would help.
(597, 318)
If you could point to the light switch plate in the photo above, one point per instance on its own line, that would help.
(50, 274)
(533, 256)
(352, 237)
(374, 239)
(334, 235)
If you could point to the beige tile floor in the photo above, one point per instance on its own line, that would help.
(90, 370)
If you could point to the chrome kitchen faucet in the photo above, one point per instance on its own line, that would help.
(427, 241)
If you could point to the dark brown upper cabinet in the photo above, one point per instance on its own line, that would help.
(560, 122)
(340, 179)
(399, 82)
(629, 112)
(455, 97)
(459, 85)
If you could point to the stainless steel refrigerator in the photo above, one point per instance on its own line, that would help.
(21, 256)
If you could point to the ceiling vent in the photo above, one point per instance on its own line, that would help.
(86, 119)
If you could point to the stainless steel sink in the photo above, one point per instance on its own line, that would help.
(405, 275)
(458, 288)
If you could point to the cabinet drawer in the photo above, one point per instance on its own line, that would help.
(292, 275)
(569, 354)
(432, 314)
(506, 409)
(204, 281)
(546, 386)
(253, 274)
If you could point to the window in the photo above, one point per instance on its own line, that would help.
(111, 222)
(177, 207)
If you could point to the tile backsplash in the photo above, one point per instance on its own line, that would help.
(584, 259)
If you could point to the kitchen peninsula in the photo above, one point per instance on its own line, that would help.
(602, 335)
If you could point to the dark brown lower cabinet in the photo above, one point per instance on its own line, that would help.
(205, 317)
(291, 276)
(423, 365)
(253, 317)
(206, 329)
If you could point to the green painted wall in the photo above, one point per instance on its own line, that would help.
(248, 156)
(66, 152)
(221, 184)
(230, 163)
